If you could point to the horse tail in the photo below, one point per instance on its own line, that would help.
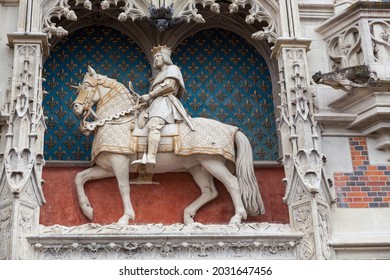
(247, 181)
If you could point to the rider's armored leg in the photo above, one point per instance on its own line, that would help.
(154, 137)
(155, 125)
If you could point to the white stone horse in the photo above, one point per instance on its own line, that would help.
(116, 112)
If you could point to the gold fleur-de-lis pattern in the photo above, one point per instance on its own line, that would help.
(226, 80)
(109, 52)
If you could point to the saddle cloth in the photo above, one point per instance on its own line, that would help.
(209, 137)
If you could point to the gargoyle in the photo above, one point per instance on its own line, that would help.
(347, 78)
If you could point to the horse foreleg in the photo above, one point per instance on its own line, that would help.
(218, 169)
(93, 173)
(208, 192)
(120, 165)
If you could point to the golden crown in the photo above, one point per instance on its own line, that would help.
(161, 49)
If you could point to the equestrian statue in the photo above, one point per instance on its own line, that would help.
(153, 133)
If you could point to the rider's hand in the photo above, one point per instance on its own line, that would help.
(145, 98)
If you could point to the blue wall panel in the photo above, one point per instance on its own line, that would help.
(226, 79)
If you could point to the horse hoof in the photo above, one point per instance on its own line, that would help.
(88, 212)
(188, 221)
(235, 220)
(123, 221)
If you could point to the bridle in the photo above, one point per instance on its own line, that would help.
(85, 93)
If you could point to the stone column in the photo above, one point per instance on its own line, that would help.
(308, 193)
(22, 136)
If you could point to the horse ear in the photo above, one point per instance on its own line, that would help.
(92, 72)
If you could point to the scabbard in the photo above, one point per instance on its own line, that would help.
(180, 110)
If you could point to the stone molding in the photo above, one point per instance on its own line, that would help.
(157, 241)
(11, 3)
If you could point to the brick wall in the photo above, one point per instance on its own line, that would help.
(368, 186)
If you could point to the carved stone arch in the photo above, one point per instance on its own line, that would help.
(263, 14)
(85, 17)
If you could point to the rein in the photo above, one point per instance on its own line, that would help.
(91, 126)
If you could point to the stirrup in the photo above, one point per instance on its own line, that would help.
(144, 161)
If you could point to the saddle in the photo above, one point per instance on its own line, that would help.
(168, 132)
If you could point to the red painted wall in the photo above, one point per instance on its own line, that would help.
(162, 203)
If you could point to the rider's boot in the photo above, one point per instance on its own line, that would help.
(154, 137)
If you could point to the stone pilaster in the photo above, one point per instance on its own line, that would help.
(308, 193)
(22, 161)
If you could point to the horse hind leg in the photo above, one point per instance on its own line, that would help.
(93, 173)
(217, 167)
(208, 192)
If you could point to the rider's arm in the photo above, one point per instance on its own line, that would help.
(168, 86)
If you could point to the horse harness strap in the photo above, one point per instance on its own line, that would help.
(91, 126)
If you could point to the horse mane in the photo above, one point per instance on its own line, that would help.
(107, 82)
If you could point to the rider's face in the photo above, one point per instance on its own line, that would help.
(158, 60)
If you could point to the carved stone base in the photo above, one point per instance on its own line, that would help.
(156, 241)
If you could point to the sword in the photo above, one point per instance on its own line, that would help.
(180, 110)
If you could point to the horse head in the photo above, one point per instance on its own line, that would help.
(88, 92)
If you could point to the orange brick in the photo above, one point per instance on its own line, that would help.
(377, 172)
(357, 163)
(384, 178)
(339, 183)
(363, 178)
(372, 167)
(358, 205)
(357, 199)
(373, 178)
(367, 199)
(357, 194)
(341, 178)
(375, 185)
(359, 157)
(386, 198)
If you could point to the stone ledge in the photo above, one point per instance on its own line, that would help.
(156, 241)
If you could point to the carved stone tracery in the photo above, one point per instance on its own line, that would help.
(183, 10)
(380, 36)
(345, 48)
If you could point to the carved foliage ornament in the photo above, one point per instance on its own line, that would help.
(139, 9)
(260, 240)
(167, 250)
